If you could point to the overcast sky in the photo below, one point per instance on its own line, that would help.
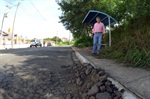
(35, 18)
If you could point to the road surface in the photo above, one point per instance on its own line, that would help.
(34, 73)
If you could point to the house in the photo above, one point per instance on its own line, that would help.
(64, 39)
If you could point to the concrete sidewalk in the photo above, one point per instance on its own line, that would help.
(136, 80)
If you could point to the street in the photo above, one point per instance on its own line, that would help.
(34, 73)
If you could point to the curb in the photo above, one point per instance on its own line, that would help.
(126, 95)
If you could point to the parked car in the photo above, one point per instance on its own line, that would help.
(35, 43)
(49, 44)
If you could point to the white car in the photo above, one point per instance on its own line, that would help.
(35, 43)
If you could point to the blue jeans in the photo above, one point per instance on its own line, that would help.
(97, 42)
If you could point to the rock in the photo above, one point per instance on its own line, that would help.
(95, 78)
(114, 88)
(83, 76)
(79, 81)
(94, 72)
(108, 83)
(84, 96)
(103, 78)
(93, 90)
(99, 84)
(88, 71)
(92, 97)
(118, 94)
(68, 96)
(77, 74)
(108, 89)
(104, 95)
(101, 73)
(1, 96)
(122, 90)
(102, 88)
(89, 85)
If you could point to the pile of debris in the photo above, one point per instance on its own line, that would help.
(93, 84)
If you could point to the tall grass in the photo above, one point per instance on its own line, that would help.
(130, 44)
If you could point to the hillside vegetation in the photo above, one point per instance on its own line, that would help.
(130, 40)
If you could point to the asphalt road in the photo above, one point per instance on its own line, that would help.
(34, 73)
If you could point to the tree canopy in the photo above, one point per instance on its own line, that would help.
(130, 40)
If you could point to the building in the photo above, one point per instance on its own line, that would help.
(65, 39)
(6, 39)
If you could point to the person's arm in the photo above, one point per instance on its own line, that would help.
(93, 30)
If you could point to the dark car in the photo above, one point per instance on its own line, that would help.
(49, 44)
(35, 43)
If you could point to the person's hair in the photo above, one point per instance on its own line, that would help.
(98, 17)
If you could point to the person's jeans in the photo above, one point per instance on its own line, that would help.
(97, 42)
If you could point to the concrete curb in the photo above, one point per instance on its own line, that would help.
(126, 95)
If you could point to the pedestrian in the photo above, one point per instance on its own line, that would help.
(98, 30)
(44, 43)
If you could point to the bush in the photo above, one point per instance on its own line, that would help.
(130, 45)
(83, 41)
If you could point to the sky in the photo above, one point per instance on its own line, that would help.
(34, 19)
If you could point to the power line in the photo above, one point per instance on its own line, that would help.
(38, 11)
(23, 8)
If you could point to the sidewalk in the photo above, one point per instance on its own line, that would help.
(136, 80)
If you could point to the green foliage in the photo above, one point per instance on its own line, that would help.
(56, 39)
(130, 41)
(68, 43)
(47, 39)
(83, 41)
(130, 44)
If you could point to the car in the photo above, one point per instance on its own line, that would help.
(49, 44)
(35, 43)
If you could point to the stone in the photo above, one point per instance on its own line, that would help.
(103, 78)
(88, 85)
(68, 96)
(118, 94)
(83, 76)
(77, 74)
(88, 71)
(93, 90)
(92, 97)
(99, 83)
(108, 89)
(84, 96)
(79, 81)
(104, 95)
(101, 73)
(95, 78)
(102, 88)
(1, 96)
(93, 72)
(108, 83)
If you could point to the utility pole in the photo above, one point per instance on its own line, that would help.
(12, 37)
(1, 32)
